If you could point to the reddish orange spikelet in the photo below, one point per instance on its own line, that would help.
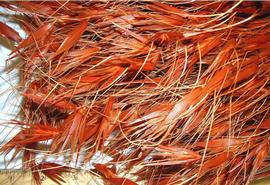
(9, 33)
(40, 98)
(72, 132)
(72, 38)
(221, 159)
(166, 38)
(171, 155)
(28, 136)
(111, 177)
(39, 34)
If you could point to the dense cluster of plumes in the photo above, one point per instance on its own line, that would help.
(175, 92)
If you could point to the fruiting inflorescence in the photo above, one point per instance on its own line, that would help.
(174, 92)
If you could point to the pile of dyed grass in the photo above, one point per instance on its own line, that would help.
(174, 92)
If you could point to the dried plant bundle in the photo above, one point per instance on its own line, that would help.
(174, 92)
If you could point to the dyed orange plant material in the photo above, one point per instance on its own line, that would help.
(175, 92)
